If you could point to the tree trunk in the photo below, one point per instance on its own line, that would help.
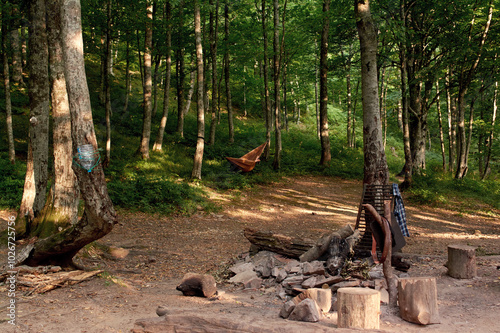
(349, 101)
(168, 70)
(277, 243)
(34, 194)
(17, 64)
(440, 121)
(180, 72)
(190, 93)
(418, 300)
(276, 61)
(128, 85)
(107, 88)
(375, 164)
(146, 120)
(316, 92)
(267, 102)
(408, 167)
(358, 308)
(450, 104)
(323, 92)
(214, 32)
(226, 75)
(200, 142)
(61, 208)
(491, 136)
(6, 81)
(99, 216)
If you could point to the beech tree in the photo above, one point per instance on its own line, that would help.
(6, 81)
(323, 87)
(375, 164)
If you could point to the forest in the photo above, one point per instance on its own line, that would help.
(171, 88)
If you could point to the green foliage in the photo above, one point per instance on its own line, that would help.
(11, 182)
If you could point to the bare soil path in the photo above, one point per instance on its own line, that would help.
(145, 257)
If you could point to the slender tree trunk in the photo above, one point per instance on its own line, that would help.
(146, 121)
(190, 93)
(316, 90)
(180, 72)
(168, 70)
(127, 78)
(349, 101)
(200, 142)
(325, 139)
(375, 164)
(465, 79)
(34, 194)
(155, 85)
(267, 102)
(450, 105)
(107, 88)
(99, 216)
(214, 32)
(6, 81)
(492, 132)
(276, 61)
(17, 64)
(440, 120)
(226, 75)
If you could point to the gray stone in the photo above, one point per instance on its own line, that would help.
(293, 281)
(310, 282)
(243, 277)
(345, 284)
(292, 264)
(307, 310)
(198, 285)
(322, 297)
(286, 309)
(313, 268)
(241, 267)
(282, 274)
(254, 283)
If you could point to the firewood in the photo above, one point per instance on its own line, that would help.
(358, 308)
(323, 243)
(461, 261)
(278, 243)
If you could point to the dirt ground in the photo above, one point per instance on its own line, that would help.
(150, 254)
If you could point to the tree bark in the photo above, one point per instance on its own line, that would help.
(408, 167)
(17, 64)
(418, 300)
(226, 74)
(180, 72)
(267, 102)
(168, 70)
(492, 132)
(323, 92)
(200, 142)
(147, 94)
(358, 308)
(34, 194)
(6, 81)
(128, 85)
(214, 32)
(440, 121)
(277, 243)
(107, 87)
(375, 164)
(276, 67)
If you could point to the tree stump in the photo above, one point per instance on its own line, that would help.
(358, 308)
(461, 261)
(418, 300)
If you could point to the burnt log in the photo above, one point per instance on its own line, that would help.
(324, 242)
(288, 246)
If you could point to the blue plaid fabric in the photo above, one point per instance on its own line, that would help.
(399, 210)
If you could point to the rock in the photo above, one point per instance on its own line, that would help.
(313, 268)
(243, 277)
(291, 265)
(286, 309)
(328, 280)
(310, 282)
(161, 311)
(282, 274)
(293, 281)
(307, 310)
(334, 264)
(254, 283)
(242, 267)
(198, 285)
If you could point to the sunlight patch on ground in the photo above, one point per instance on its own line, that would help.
(240, 213)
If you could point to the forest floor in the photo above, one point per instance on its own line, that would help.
(150, 254)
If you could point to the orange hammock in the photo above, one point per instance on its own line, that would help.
(247, 162)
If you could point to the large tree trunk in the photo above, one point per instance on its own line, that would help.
(200, 142)
(146, 121)
(226, 74)
(168, 70)
(276, 61)
(6, 81)
(323, 92)
(61, 208)
(214, 31)
(267, 102)
(375, 164)
(99, 216)
(35, 185)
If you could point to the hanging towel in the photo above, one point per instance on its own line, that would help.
(399, 210)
